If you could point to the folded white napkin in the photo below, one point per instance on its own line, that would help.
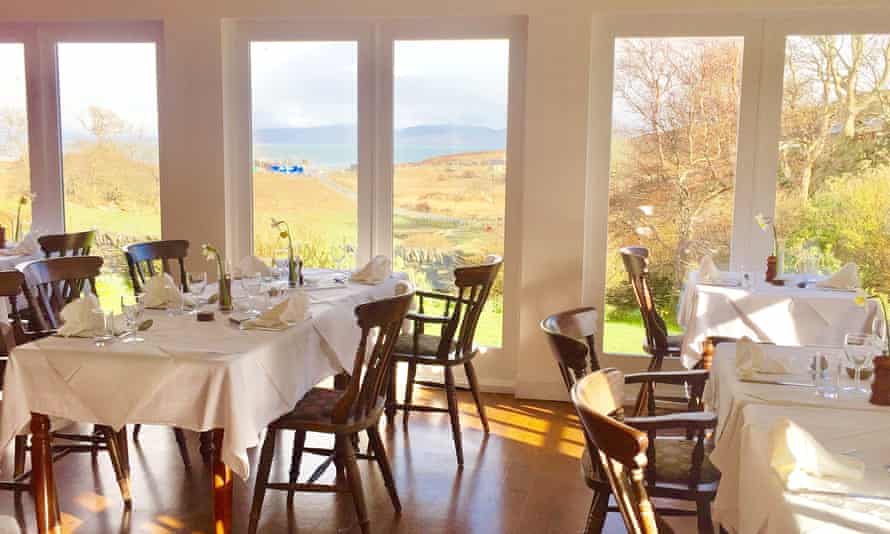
(846, 278)
(402, 287)
(28, 246)
(161, 291)
(376, 271)
(251, 265)
(82, 318)
(707, 270)
(796, 455)
(750, 358)
(293, 309)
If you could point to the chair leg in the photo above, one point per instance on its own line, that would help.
(296, 457)
(114, 451)
(454, 414)
(385, 470)
(596, 517)
(21, 443)
(136, 429)
(179, 434)
(262, 479)
(705, 523)
(390, 408)
(474, 387)
(354, 479)
(409, 390)
(124, 447)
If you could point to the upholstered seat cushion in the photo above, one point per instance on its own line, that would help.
(673, 463)
(316, 406)
(427, 345)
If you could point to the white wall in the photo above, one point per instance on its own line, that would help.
(561, 76)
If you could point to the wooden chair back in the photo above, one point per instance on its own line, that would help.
(73, 244)
(473, 285)
(636, 262)
(141, 258)
(621, 449)
(11, 333)
(52, 283)
(565, 331)
(364, 397)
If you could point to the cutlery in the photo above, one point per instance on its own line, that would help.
(847, 495)
(776, 382)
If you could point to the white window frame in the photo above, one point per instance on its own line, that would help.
(376, 38)
(759, 126)
(42, 79)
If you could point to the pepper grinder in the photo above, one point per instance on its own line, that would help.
(880, 387)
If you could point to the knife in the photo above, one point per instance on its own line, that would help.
(776, 382)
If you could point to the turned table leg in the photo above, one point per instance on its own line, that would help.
(222, 487)
(46, 504)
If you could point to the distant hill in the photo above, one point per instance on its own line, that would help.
(426, 135)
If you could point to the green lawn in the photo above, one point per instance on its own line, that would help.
(627, 336)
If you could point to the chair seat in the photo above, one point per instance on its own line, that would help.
(427, 345)
(673, 463)
(675, 345)
(317, 406)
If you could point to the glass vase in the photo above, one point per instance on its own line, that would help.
(225, 293)
(780, 257)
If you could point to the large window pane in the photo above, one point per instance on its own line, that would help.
(450, 162)
(305, 148)
(833, 194)
(15, 173)
(109, 110)
(675, 116)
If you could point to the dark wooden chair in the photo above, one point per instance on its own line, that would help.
(454, 345)
(621, 451)
(659, 344)
(49, 285)
(61, 245)
(343, 413)
(141, 259)
(678, 468)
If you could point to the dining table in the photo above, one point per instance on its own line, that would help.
(783, 315)
(204, 376)
(752, 499)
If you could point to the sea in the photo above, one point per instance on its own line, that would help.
(331, 156)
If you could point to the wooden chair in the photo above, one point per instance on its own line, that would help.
(49, 285)
(453, 347)
(621, 451)
(11, 289)
(61, 245)
(141, 258)
(676, 470)
(659, 344)
(343, 413)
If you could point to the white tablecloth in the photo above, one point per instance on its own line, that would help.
(189, 374)
(751, 498)
(781, 315)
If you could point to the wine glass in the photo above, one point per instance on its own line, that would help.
(857, 350)
(132, 307)
(879, 332)
(252, 285)
(197, 284)
(104, 334)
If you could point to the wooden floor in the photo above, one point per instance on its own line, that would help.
(524, 477)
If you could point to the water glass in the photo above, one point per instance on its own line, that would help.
(253, 285)
(132, 308)
(279, 262)
(105, 332)
(826, 375)
(197, 283)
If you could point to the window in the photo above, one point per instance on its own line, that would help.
(305, 148)
(833, 183)
(15, 172)
(450, 162)
(673, 163)
(109, 129)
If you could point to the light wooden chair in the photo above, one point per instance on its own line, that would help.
(343, 413)
(452, 348)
